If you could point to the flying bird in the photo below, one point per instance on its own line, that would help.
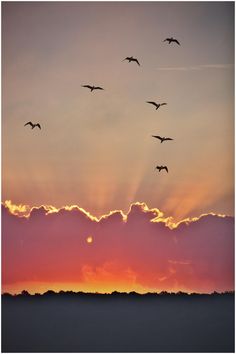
(159, 168)
(33, 125)
(171, 40)
(161, 138)
(93, 87)
(132, 59)
(157, 105)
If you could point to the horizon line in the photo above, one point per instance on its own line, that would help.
(71, 292)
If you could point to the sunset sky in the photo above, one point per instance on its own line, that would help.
(95, 150)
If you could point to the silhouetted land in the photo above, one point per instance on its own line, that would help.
(119, 322)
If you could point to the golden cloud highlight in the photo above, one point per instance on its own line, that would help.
(158, 216)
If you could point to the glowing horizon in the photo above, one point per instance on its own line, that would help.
(142, 251)
(42, 287)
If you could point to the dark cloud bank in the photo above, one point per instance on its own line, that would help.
(51, 247)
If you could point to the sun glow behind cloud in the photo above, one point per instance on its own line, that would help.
(157, 215)
(69, 249)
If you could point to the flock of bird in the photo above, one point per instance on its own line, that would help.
(157, 105)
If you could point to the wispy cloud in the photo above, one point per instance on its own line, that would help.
(196, 67)
(179, 262)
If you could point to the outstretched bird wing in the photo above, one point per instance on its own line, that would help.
(168, 139)
(98, 88)
(38, 125)
(151, 102)
(88, 86)
(176, 41)
(163, 104)
(157, 136)
(29, 123)
(136, 61)
(165, 168)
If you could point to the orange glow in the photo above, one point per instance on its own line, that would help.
(189, 198)
(92, 283)
(102, 288)
(141, 251)
(89, 239)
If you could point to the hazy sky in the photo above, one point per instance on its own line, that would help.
(95, 149)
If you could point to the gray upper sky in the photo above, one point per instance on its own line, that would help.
(95, 149)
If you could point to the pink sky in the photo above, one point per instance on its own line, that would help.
(137, 251)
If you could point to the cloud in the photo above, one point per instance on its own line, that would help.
(196, 67)
(141, 250)
(179, 262)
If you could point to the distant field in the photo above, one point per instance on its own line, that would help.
(118, 323)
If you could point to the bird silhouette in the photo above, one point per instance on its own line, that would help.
(132, 59)
(93, 87)
(33, 125)
(159, 168)
(171, 40)
(160, 138)
(157, 105)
